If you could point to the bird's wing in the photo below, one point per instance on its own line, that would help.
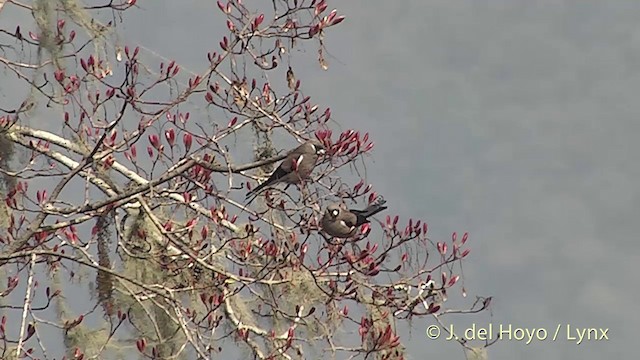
(287, 164)
(349, 219)
(278, 174)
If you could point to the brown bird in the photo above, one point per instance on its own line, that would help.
(296, 167)
(338, 221)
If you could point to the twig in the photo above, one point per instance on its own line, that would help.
(27, 303)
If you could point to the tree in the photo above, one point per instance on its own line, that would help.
(126, 226)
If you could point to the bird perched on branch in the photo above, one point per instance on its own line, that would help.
(296, 167)
(338, 221)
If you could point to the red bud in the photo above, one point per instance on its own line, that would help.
(187, 139)
(338, 20)
(170, 135)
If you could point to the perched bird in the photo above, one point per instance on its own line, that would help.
(338, 221)
(297, 166)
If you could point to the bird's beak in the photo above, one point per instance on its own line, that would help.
(322, 151)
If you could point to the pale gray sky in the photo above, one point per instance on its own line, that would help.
(516, 121)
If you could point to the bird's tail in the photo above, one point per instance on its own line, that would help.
(256, 190)
(375, 207)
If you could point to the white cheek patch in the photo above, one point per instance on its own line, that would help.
(347, 226)
(318, 151)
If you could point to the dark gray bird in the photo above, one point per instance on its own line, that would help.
(296, 167)
(338, 221)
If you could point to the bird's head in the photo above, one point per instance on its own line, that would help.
(317, 147)
(333, 210)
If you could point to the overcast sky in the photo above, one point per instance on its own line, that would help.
(515, 120)
(518, 120)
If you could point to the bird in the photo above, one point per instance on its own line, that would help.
(338, 221)
(296, 167)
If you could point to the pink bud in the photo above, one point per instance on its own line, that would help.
(296, 163)
(365, 229)
(59, 75)
(320, 7)
(259, 20)
(141, 344)
(442, 248)
(331, 15)
(154, 140)
(337, 20)
(369, 147)
(168, 226)
(170, 135)
(358, 186)
(187, 139)
(314, 30)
